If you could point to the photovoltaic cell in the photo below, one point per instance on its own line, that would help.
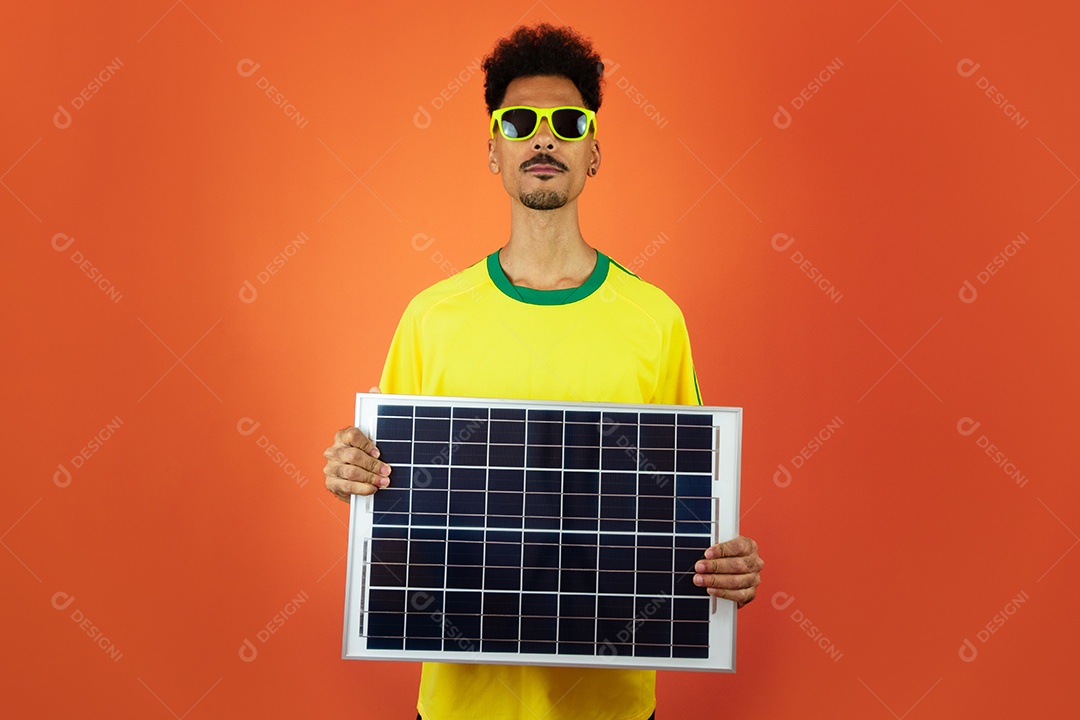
(543, 533)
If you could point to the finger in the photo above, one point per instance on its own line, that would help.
(345, 489)
(355, 473)
(728, 582)
(362, 460)
(738, 545)
(355, 437)
(374, 389)
(739, 597)
(731, 565)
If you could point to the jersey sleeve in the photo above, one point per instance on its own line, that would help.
(677, 381)
(403, 372)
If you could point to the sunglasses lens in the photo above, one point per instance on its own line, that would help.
(569, 123)
(518, 123)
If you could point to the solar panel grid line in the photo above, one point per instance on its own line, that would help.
(660, 623)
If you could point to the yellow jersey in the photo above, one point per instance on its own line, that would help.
(616, 338)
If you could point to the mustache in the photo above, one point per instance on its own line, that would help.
(543, 159)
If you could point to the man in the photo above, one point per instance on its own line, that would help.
(547, 317)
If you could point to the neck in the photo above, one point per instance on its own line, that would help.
(546, 250)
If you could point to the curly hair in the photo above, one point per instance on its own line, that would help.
(543, 50)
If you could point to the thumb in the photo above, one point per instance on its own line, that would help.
(374, 389)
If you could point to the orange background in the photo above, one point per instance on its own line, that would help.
(898, 538)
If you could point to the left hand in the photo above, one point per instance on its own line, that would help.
(731, 570)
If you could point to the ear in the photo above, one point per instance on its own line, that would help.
(493, 158)
(595, 155)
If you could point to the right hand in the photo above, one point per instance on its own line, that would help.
(352, 465)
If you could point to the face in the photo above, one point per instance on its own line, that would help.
(543, 172)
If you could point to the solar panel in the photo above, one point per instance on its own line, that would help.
(543, 533)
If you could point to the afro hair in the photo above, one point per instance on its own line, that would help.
(543, 50)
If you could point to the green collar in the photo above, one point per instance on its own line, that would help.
(548, 297)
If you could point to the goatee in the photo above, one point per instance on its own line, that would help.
(543, 200)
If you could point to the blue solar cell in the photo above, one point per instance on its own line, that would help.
(469, 431)
(543, 456)
(580, 506)
(543, 481)
(657, 436)
(504, 413)
(692, 438)
(619, 458)
(618, 483)
(581, 435)
(395, 452)
(502, 578)
(544, 433)
(509, 432)
(465, 577)
(431, 429)
(582, 458)
(429, 478)
(506, 456)
(394, 428)
(467, 454)
(387, 575)
(693, 461)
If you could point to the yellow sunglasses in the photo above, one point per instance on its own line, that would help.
(521, 122)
